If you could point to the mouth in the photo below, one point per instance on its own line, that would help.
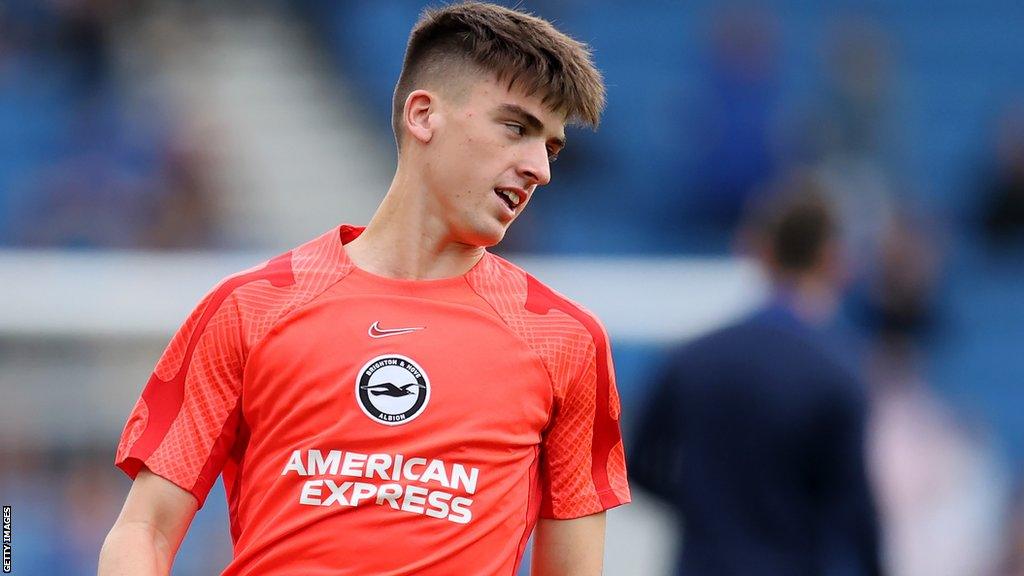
(512, 197)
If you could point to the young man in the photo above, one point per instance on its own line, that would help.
(395, 399)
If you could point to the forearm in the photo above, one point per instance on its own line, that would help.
(135, 548)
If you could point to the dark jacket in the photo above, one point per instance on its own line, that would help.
(755, 436)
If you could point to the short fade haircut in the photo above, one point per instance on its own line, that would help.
(795, 220)
(518, 48)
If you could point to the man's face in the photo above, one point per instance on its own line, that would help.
(492, 150)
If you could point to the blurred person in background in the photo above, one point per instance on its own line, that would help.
(183, 214)
(755, 434)
(858, 90)
(326, 350)
(737, 116)
(941, 485)
(1001, 193)
(1013, 561)
(846, 133)
(85, 160)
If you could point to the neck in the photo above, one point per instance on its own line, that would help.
(407, 238)
(812, 299)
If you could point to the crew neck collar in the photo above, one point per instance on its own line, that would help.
(349, 232)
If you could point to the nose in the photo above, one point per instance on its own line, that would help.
(535, 166)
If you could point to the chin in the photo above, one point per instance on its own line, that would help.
(485, 236)
(489, 241)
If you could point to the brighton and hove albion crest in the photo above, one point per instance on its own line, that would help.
(392, 389)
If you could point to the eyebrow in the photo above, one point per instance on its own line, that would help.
(530, 120)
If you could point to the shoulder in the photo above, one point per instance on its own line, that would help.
(569, 339)
(753, 344)
(749, 344)
(266, 292)
(716, 342)
(516, 293)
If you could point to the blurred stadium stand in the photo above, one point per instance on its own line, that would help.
(296, 148)
(240, 129)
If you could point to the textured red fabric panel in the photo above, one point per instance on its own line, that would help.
(184, 425)
(583, 467)
(206, 354)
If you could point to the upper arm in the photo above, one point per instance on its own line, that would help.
(159, 504)
(569, 547)
(583, 467)
(184, 425)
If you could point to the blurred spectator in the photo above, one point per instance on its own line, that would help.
(736, 124)
(121, 184)
(183, 215)
(941, 485)
(1013, 565)
(82, 40)
(755, 434)
(80, 164)
(846, 133)
(858, 89)
(1002, 191)
(901, 299)
(858, 151)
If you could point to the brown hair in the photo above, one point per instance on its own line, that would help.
(794, 221)
(519, 48)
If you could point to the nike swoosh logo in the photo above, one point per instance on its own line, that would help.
(376, 331)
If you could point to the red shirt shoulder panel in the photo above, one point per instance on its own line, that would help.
(185, 421)
(583, 466)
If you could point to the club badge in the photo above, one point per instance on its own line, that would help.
(392, 389)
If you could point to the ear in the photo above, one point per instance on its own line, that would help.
(419, 115)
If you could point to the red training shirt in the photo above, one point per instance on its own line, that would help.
(368, 425)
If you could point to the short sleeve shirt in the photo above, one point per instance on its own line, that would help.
(368, 425)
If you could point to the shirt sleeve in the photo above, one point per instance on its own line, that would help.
(583, 468)
(185, 422)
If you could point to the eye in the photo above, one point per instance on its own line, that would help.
(552, 155)
(517, 129)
